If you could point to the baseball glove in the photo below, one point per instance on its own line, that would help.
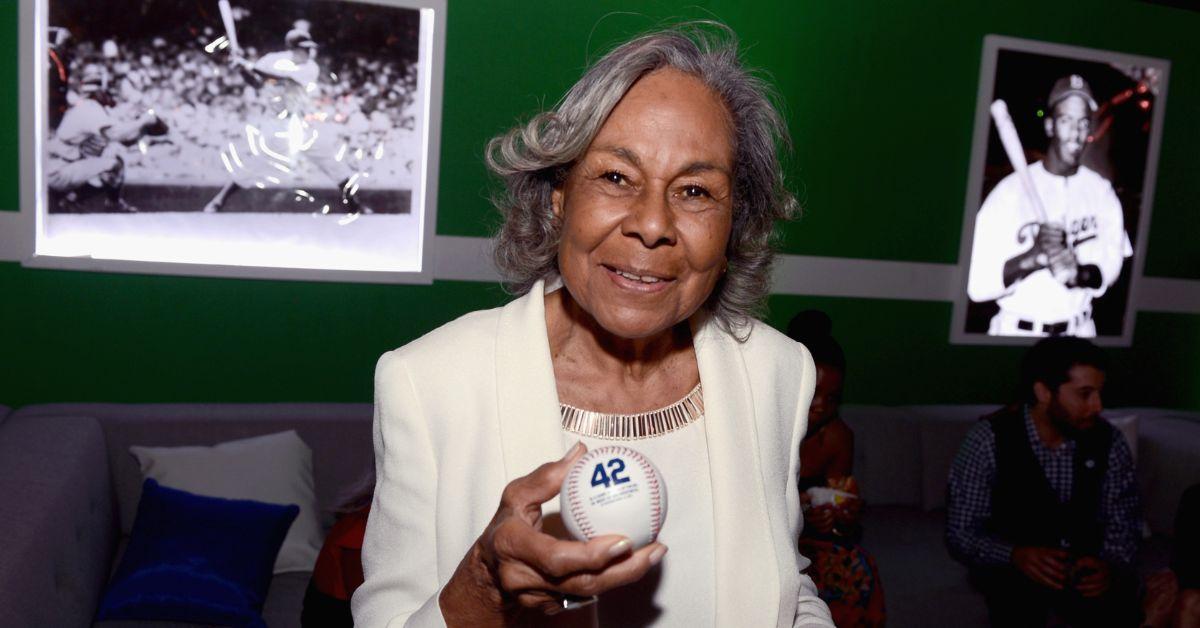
(156, 127)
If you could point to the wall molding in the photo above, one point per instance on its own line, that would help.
(458, 258)
(13, 237)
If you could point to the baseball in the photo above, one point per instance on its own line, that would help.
(614, 490)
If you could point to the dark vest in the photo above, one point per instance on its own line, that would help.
(1025, 508)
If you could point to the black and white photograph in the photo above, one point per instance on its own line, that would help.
(239, 133)
(1059, 192)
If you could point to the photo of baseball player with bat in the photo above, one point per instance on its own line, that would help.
(285, 80)
(261, 117)
(1051, 248)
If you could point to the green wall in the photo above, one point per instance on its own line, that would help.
(880, 99)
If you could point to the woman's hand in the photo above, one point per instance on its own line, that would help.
(1159, 604)
(513, 565)
(849, 512)
(820, 518)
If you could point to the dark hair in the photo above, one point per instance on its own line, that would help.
(814, 329)
(1051, 359)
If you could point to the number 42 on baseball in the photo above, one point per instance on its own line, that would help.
(614, 490)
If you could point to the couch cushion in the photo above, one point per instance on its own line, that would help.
(942, 430)
(887, 455)
(339, 435)
(285, 600)
(275, 469)
(922, 585)
(58, 520)
(1169, 462)
(197, 558)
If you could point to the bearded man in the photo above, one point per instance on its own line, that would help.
(1042, 502)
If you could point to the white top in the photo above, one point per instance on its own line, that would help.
(680, 590)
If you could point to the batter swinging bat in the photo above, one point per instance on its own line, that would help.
(230, 31)
(1016, 154)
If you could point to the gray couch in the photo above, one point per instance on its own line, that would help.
(69, 490)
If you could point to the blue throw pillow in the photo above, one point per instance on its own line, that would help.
(197, 559)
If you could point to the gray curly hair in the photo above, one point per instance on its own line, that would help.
(534, 158)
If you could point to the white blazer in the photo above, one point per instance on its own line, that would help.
(473, 405)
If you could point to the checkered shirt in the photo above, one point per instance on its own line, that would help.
(973, 474)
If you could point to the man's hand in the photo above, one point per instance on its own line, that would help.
(1092, 576)
(1043, 565)
(1064, 267)
(93, 145)
(1048, 246)
(1051, 238)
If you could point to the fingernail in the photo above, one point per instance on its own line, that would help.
(657, 555)
(575, 449)
(619, 548)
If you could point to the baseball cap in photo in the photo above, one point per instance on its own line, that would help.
(297, 38)
(1072, 85)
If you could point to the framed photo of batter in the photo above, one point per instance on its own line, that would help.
(279, 139)
(1059, 193)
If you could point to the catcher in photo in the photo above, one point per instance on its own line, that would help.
(83, 157)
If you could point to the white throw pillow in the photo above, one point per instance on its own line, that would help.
(276, 469)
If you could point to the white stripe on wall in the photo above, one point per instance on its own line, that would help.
(13, 238)
(468, 259)
(1160, 294)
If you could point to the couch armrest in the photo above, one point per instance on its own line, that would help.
(58, 520)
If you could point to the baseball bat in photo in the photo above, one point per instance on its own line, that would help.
(230, 31)
(1016, 154)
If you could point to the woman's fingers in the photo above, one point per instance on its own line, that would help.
(617, 574)
(557, 558)
(526, 494)
(820, 518)
(527, 584)
(536, 569)
(541, 600)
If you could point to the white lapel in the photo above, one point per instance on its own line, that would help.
(527, 399)
(746, 570)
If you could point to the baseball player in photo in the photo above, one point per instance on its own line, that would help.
(1043, 274)
(293, 130)
(84, 155)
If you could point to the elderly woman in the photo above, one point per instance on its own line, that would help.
(638, 223)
